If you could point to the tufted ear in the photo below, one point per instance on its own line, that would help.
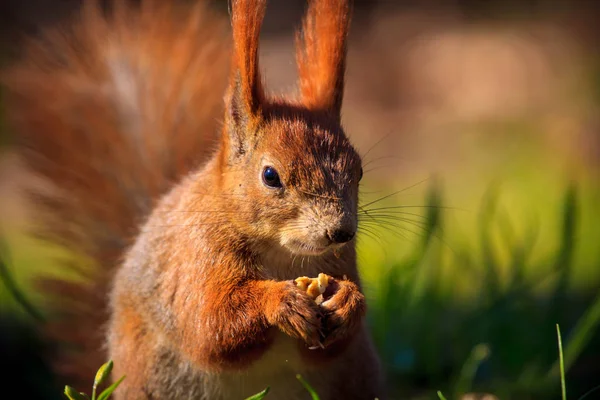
(245, 94)
(321, 55)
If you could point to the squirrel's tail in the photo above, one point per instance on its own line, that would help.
(111, 110)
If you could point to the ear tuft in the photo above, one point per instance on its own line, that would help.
(245, 95)
(321, 54)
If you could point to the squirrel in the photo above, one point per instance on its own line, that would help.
(195, 238)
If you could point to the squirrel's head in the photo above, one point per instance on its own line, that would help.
(290, 170)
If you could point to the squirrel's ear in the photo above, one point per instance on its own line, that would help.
(245, 94)
(321, 54)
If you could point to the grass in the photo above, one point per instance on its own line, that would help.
(468, 371)
(313, 393)
(493, 334)
(260, 395)
(12, 287)
(561, 362)
(101, 377)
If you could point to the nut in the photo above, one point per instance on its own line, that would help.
(314, 287)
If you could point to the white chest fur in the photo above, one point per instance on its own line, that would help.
(276, 369)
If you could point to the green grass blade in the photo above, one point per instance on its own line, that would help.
(109, 390)
(310, 390)
(12, 286)
(467, 374)
(101, 375)
(564, 258)
(73, 394)
(488, 251)
(589, 392)
(260, 395)
(433, 204)
(562, 364)
(583, 332)
(441, 396)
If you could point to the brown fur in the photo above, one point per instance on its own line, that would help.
(112, 110)
(321, 54)
(203, 304)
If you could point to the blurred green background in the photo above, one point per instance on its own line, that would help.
(480, 229)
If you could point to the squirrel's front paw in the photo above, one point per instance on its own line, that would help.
(343, 311)
(297, 314)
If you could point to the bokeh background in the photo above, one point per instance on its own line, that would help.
(479, 125)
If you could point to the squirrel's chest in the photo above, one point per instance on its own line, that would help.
(276, 369)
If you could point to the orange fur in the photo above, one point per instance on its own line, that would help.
(112, 110)
(321, 54)
(246, 20)
(202, 302)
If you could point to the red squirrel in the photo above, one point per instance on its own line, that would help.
(195, 250)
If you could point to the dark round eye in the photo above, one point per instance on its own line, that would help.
(361, 175)
(270, 178)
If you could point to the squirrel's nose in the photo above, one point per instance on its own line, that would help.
(339, 236)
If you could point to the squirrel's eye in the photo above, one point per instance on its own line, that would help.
(271, 178)
(361, 175)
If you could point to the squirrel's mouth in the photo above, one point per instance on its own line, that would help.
(302, 249)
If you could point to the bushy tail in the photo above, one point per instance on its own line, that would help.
(111, 110)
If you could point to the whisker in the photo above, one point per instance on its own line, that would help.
(395, 193)
(381, 158)
(219, 194)
(376, 213)
(375, 235)
(369, 233)
(369, 192)
(395, 222)
(318, 195)
(398, 231)
(385, 217)
(387, 135)
(411, 206)
(393, 217)
(184, 225)
(365, 172)
(417, 224)
(204, 211)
